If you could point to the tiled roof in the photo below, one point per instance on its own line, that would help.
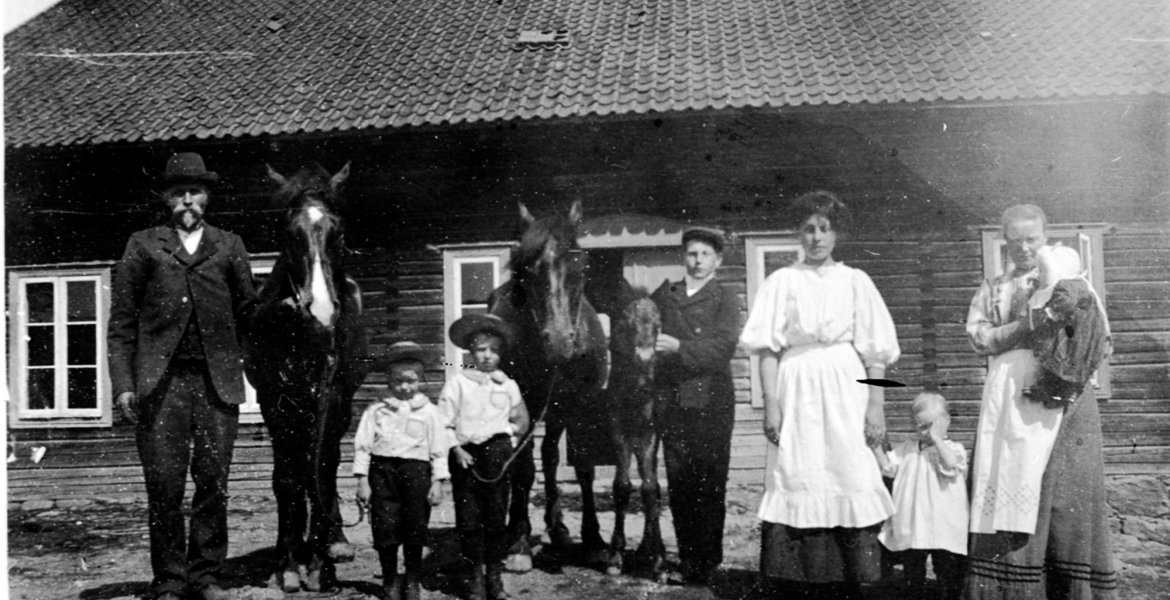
(139, 70)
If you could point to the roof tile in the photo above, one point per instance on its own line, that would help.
(334, 65)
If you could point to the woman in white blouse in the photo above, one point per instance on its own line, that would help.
(819, 327)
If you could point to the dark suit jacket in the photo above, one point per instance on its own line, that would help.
(158, 287)
(707, 326)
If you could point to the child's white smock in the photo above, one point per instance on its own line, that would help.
(930, 500)
(828, 323)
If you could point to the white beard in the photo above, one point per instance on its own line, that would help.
(187, 220)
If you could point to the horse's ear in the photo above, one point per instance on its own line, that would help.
(273, 175)
(524, 214)
(576, 213)
(339, 178)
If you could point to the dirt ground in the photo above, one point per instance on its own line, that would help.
(100, 552)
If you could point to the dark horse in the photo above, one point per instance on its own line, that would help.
(559, 363)
(635, 399)
(305, 360)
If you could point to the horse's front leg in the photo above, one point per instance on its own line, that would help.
(519, 526)
(651, 547)
(338, 547)
(288, 427)
(621, 499)
(327, 538)
(590, 528)
(550, 459)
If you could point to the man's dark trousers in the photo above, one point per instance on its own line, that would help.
(697, 447)
(184, 409)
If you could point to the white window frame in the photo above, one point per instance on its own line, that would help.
(261, 264)
(1088, 240)
(756, 246)
(20, 416)
(496, 254)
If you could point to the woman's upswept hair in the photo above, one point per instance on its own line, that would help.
(822, 203)
(929, 400)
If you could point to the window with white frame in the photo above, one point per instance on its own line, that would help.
(1087, 240)
(470, 273)
(57, 347)
(763, 254)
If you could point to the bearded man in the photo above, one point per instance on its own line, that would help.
(181, 297)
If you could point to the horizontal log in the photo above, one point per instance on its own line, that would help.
(1139, 274)
(1143, 242)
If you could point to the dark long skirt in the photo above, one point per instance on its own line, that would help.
(1069, 556)
(836, 555)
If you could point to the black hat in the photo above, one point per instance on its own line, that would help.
(187, 167)
(400, 352)
(468, 325)
(711, 237)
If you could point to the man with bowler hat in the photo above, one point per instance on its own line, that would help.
(700, 329)
(182, 294)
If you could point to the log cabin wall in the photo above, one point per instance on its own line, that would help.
(920, 195)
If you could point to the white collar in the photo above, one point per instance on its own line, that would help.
(480, 377)
(190, 239)
(415, 403)
(694, 285)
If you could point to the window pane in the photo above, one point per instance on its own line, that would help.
(41, 389)
(82, 299)
(777, 259)
(40, 302)
(477, 281)
(40, 345)
(83, 388)
(82, 344)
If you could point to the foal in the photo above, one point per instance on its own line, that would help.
(634, 400)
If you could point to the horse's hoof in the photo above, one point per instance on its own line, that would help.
(341, 552)
(518, 563)
(559, 537)
(614, 563)
(290, 581)
(320, 581)
(597, 556)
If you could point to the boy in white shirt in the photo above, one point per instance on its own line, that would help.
(484, 412)
(400, 461)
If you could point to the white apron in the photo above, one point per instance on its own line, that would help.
(1012, 447)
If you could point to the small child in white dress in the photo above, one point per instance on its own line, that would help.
(930, 499)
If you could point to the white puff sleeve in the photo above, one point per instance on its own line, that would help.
(768, 318)
(874, 336)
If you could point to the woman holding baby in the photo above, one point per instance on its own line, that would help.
(1038, 511)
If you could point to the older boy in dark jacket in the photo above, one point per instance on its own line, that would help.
(700, 328)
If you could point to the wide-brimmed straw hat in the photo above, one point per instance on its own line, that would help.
(187, 167)
(400, 352)
(469, 325)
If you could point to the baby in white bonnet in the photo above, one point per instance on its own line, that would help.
(1073, 337)
(1055, 263)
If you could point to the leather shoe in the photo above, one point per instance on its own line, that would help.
(212, 591)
